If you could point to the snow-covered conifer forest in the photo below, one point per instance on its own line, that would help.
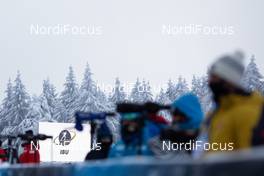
(20, 111)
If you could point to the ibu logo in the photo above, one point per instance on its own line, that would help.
(65, 138)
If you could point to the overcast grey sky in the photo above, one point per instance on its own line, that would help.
(131, 43)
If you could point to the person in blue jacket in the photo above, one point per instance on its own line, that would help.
(187, 116)
(136, 131)
(187, 112)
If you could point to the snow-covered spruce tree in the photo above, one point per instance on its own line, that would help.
(38, 110)
(171, 91)
(20, 102)
(103, 99)
(89, 100)
(141, 92)
(252, 79)
(163, 98)
(55, 107)
(201, 90)
(32, 118)
(118, 94)
(146, 93)
(70, 94)
(6, 111)
(180, 88)
(88, 83)
(48, 92)
(196, 87)
(44, 109)
(206, 95)
(27, 124)
(136, 93)
(60, 113)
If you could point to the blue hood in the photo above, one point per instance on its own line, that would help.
(189, 105)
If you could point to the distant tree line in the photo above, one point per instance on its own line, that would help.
(20, 111)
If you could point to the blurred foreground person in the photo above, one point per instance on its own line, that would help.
(136, 130)
(3, 155)
(235, 122)
(104, 142)
(30, 150)
(179, 138)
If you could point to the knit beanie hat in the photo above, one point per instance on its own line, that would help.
(230, 68)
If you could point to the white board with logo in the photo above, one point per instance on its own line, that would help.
(67, 145)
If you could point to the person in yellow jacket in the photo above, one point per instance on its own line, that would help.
(237, 112)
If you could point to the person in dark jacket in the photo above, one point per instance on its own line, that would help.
(102, 147)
